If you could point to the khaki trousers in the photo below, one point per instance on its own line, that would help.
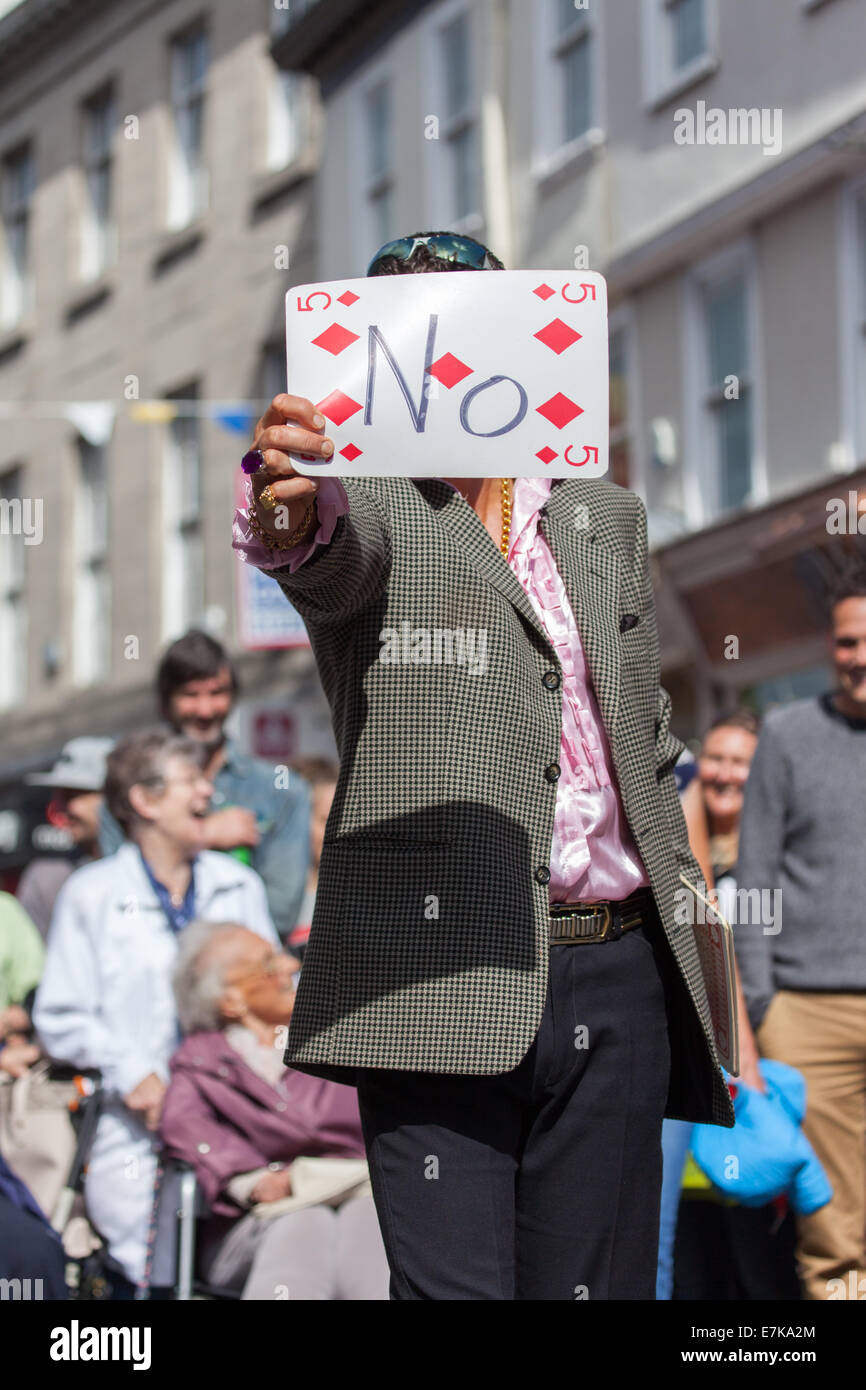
(824, 1037)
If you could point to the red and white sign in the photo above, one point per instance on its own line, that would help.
(497, 372)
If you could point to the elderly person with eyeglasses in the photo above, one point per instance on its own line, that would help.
(258, 1133)
(105, 1000)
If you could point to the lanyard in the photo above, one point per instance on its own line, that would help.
(177, 917)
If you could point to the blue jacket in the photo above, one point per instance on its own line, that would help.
(766, 1154)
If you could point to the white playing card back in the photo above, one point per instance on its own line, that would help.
(468, 374)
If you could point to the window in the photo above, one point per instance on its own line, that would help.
(289, 95)
(567, 74)
(687, 36)
(574, 78)
(621, 464)
(91, 619)
(458, 130)
(724, 465)
(679, 43)
(287, 124)
(13, 614)
(730, 414)
(183, 571)
(187, 172)
(96, 248)
(16, 194)
(378, 128)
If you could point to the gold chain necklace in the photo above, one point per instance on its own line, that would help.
(506, 516)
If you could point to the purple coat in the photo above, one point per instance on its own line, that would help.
(223, 1119)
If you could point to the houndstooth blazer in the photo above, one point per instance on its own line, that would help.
(429, 943)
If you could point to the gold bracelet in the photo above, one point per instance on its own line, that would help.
(291, 538)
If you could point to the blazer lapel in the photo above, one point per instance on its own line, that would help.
(474, 540)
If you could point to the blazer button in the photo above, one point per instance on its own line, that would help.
(280, 1105)
(550, 680)
(203, 1148)
(553, 772)
(542, 874)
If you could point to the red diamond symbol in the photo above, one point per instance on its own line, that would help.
(351, 453)
(449, 370)
(335, 339)
(347, 298)
(559, 410)
(557, 336)
(547, 455)
(338, 407)
(543, 291)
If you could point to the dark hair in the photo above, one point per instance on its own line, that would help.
(142, 758)
(194, 657)
(738, 719)
(850, 582)
(422, 259)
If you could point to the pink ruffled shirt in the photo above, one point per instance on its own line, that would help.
(593, 855)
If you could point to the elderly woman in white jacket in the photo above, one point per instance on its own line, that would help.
(106, 999)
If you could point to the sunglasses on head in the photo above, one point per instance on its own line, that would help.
(445, 247)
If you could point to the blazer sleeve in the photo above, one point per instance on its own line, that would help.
(667, 746)
(348, 573)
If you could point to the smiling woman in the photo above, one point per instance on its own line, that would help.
(105, 999)
(158, 793)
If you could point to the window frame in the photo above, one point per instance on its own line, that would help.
(701, 467)
(553, 155)
(17, 211)
(365, 243)
(103, 235)
(91, 664)
(191, 183)
(440, 184)
(662, 82)
(852, 321)
(288, 93)
(182, 527)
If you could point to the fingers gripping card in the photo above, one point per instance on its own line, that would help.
(473, 374)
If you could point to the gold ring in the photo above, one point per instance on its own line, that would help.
(267, 499)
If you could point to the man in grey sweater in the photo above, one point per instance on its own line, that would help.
(800, 932)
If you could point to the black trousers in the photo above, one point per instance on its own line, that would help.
(543, 1182)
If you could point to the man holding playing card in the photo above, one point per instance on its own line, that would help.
(495, 960)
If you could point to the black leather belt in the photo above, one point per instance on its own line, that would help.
(573, 923)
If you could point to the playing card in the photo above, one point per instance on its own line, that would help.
(473, 374)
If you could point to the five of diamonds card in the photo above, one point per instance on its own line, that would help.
(469, 374)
